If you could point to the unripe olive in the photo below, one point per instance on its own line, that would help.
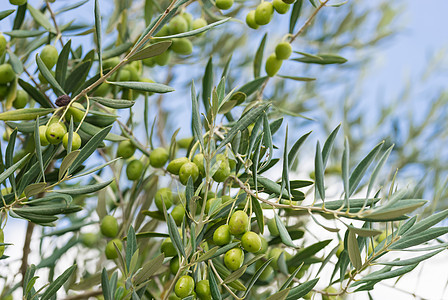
(6, 74)
(3, 91)
(109, 226)
(125, 149)
(178, 214)
(42, 135)
(226, 199)
(340, 248)
(238, 222)
(49, 56)
(182, 46)
(223, 171)
(331, 290)
(89, 239)
(2, 240)
(158, 157)
(275, 254)
(168, 248)
(222, 236)
(21, 99)
(264, 246)
(111, 63)
(224, 4)
(184, 286)
(76, 110)
(272, 226)
(188, 170)
(234, 258)
(111, 252)
(209, 204)
(283, 50)
(199, 23)
(163, 31)
(264, 13)
(382, 237)
(289, 1)
(42, 79)
(251, 242)
(17, 2)
(76, 141)
(174, 265)
(203, 290)
(267, 272)
(149, 62)
(250, 20)
(124, 75)
(163, 58)
(133, 73)
(175, 165)
(189, 18)
(55, 132)
(280, 6)
(134, 169)
(2, 44)
(164, 195)
(178, 24)
(273, 65)
(184, 143)
(198, 160)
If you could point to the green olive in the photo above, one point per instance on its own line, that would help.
(264, 246)
(111, 252)
(175, 165)
(340, 248)
(199, 23)
(234, 258)
(6, 74)
(2, 240)
(272, 226)
(198, 160)
(174, 265)
(224, 4)
(280, 6)
(3, 91)
(149, 62)
(168, 248)
(273, 65)
(158, 157)
(76, 141)
(164, 195)
(188, 170)
(226, 199)
(330, 290)
(21, 99)
(275, 254)
(267, 272)
(125, 149)
(111, 63)
(89, 239)
(178, 214)
(289, 1)
(184, 286)
(42, 79)
(209, 204)
(264, 13)
(109, 226)
(182, 46)
(178, 24)
(283, 50)
(124, 75)
(17, 2)
(133, 73)
(222, 236)
(76, 110)
(223, 171)
(238, 223)
(163, 59)
(184, 143)
(55, 132)
(250, 20)
(251, 242)
(203, 290)
(2, 44)
(49, 56)
(134, 169)
(43, 136)
(382, 237)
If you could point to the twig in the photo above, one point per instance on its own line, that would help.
(308, 22)
(26, 248)
(53, 17)
(86, 295)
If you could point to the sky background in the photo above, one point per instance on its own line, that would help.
(423, 35)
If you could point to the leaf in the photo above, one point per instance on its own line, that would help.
(253, 86)
(35, 94)
(258, 213)
(131, 246)
(285, 170)
(231, 101)
(301, 290)
(364, 232)
(284, 235)
(324, 59)
(307, 252)
(90, 171)
(385, 275)
(377, 169)
(192, 32)
(41, 19)
(207, 83)
(280, 295)
(79, 190)
(144, 86)
(196, 121)
(67, 162)
(98, 33)
(38, 149)
(15, 62)
(319, 172)
(148, 269)
(295, 148)
(208, 255)
(267, 140)
(93, 130)
(412, 261)
(24, 114)
(59, 91)
(174, 235)
(427, 223)
(419, 238)
(394, 212)
(77, 77)
(107, 291)
(297, 78)
(113, 103)
(5, 13)
(258, 60)
(151, 51)
(34, 189)
(291, 277)
(62, 63)
(296, 9)
(214, 289)
(235, 275)
(353, 250)
(57, 284)
(5, 174)
(255, 277)
(345, 167)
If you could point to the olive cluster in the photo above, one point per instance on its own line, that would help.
(109, 228)
(264, 12)
(274, 62)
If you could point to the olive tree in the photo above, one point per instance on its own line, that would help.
(129, 207)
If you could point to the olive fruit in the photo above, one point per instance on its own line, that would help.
(275, 254)
(6, 74)
(2, 240)
(272, 226)
(238, 222)
(125, 149)
(102, 90)
(222, 236)
(175, 165)
(89, 239)
(203, 290)
(124, 75)
(340, 248)
(264, 246)
(55, 132)
(250, 20)
(189, 18)
(178, 214)
(164, 195)
(42, 79)
(76, 141)
(267, 272)
(199, 23)
(109, 226)
(224, 4)
(111, 252)
(134, 169)
(330, 290)
(49, 56)
(43, 136)
(149, 62)
(226, 199)
(168, 248)
(182, 46)
(198, 160)
(184, 286)
(289, 1)
(264, 13)
(17, 2)
(188, 170)
(133, 73)
(21, 99)
(273, 65)
(283, 50)
(223, 171)
(163, 58)
(382, 237)
(233, 259)
(76, 110)
(111, 63)
(184, 143)
(3, 91)
(174, 265)
(158, 157)
(2, 44)
(209, 204)
(251, 242)
(280, 6)
(178, 24)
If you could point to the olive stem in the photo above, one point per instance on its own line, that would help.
(310, 19)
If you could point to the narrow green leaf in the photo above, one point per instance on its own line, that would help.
(267, 139)
(15, 62)
(62, 63)
(291, 277)
(364, 232)
(214, 289)
(235, 275)
(427, 223)
(297, 78)
(34, 189)
(38, 149)
(41, 19)
(419, 238)
(255, 277)
(107, 291)
(377, 169)
(131, 246)
(394, 212)
(385, 275)
(5, 174)
(252, 86)
(113, 103)
(77, 77)
(192, 32)
(151, 51)
(24, 114)
(57, 284)
(319, 172)
(412, 261)
(284, 235)
(80, 190)
(207, 84)
(196, 119)
(296, 9)
(67, 162)
(301, 290)
(35, 94)
(208, 255)
(293, 153)
(280, 295)
(148, 269)
(353, 250)
(174, 235)
(59, 91)
(324, 59)
(258, 213)
(5, 13)
(345, 167)
(285, 170)
(144, 86)
(328, 146)
(258, 60)
(98, 34)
